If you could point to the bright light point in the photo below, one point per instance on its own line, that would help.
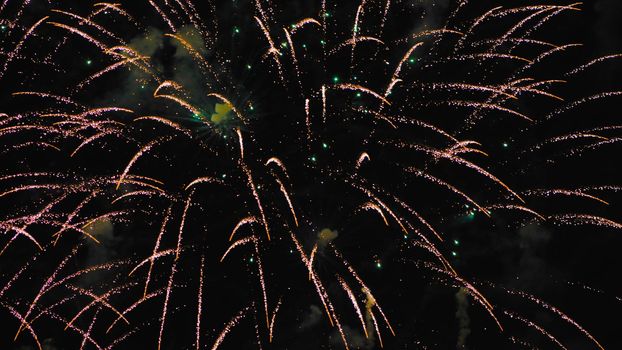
(322, 42)
(324, 145)
(283, 44)
(251, 260)
(505, 145)
(378, 265)
(326, 14)
(335, 79)
(358, 94)
(454, 254)
(456, 242)
(236, 30)
(223, 175)
(466, 206)
(313, 159)
(304, 46)
(411, 60)
(248, 66)
(88, 62)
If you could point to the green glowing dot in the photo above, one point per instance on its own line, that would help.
(251, 108)
(323, 42)
(411, 60)
(236, 30)
(248, 66)
(304, 46)
(224, 175)
(251, 260)
(378, 265)
(335, 79)
(324, 145)
(454, 254)
(456, 242)
(284, 44)
(505, 145)
(358, 94)
(142, 86)
(88, 62)
(3, 27)
(313, 158)
(326, 14)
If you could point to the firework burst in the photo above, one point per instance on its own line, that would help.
(240, 174)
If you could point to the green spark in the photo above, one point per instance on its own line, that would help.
(313, 159)
(454, 254)
(324, 145)
(335, 79)
(456, 242)
(88, 62)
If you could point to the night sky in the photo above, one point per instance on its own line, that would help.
(406, 174)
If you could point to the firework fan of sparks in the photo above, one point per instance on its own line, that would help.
(182, 174)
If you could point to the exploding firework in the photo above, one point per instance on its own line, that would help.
(247, 174)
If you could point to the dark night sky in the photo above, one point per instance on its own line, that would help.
(571, 266)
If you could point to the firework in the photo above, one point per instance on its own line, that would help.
(187, 174)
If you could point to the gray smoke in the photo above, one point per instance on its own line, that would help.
(462, 316)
